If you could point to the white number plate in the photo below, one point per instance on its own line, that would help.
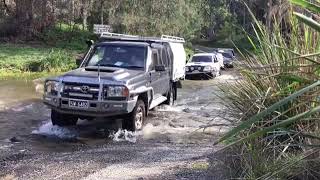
(79, 104)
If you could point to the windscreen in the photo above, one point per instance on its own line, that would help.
(122, 56)
(201, 59)
(227, 55)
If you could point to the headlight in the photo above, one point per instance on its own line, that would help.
(116, 91)
(187, 69)
(52, 87)
(207, 68)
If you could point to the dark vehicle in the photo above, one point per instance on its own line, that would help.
(228, 56)
(121, 75)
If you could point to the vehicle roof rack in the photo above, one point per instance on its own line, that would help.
(173, 38)
(164, 38)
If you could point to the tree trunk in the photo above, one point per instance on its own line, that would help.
(24, 17)
(86, 8)
(269, 15)
(102, 11)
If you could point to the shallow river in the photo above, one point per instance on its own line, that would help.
(31, 148)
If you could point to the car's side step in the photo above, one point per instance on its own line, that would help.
(157, 101)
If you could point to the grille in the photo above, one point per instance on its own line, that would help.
(81, 91)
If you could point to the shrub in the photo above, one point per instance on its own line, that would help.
(278, 102)
(57, 60)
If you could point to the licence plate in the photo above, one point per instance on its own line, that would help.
(79, 104)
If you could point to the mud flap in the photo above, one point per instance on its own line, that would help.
(175, 87)
(178, 84)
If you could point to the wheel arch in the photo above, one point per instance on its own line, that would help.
(146, 97)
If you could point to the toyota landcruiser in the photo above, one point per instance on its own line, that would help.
(204, 64)
(121, 75)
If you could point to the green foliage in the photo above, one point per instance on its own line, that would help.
(307, 5)
(69, 37)
(278, 100)
(258, 117)
(56, 60)
(154, 18)
(189, 53)
(34, 59)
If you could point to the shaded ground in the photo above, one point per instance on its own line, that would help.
(172, 145)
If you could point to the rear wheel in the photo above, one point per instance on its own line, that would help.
(61, 119)
(136, 119)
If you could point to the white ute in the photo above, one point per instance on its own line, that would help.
(204, 64)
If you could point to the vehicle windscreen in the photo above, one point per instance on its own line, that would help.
(123, 56)
(201, 59)
(227, 55)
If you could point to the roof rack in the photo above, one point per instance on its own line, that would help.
(164, 38)
(117, 36)
(173, 38)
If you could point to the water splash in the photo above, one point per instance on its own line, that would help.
(22, 108)
(48, 129)
(124, 135)
(166, 108)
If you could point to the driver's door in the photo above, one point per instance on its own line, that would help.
(155, 77)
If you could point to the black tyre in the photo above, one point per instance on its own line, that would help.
(61, 119)
(136, 119)
(171, 96)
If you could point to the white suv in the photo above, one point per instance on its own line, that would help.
(204, 64)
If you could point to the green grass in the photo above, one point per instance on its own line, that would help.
(17, 59)
(54, 51)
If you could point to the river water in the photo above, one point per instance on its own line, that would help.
(26, 128)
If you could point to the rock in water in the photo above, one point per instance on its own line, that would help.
(14, 140)
(187, 110)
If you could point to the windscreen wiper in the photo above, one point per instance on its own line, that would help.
(135, 67)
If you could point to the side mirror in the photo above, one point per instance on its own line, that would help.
(160, 68)
(215, 60)
(89, 43)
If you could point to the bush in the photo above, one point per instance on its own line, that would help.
(17, 58)
(66, 37)
(57, 60)
(278, 104)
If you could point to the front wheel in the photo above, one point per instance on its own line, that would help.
(136, 119)
(61, 119)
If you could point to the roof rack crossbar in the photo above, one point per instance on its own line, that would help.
(172, 38)
(164, 38)
(117, 36)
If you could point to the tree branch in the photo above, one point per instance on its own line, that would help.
(6, 6)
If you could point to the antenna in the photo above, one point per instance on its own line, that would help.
(99, 78)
